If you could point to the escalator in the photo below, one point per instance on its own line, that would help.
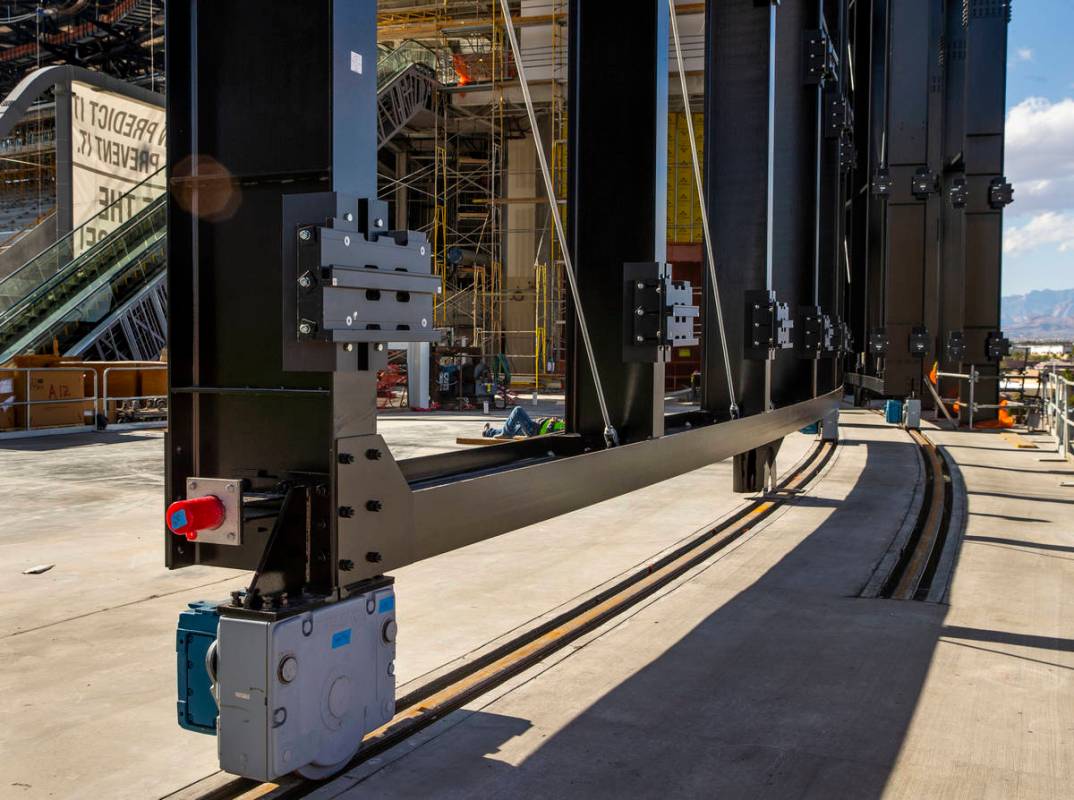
(59, 298)
(106, 300)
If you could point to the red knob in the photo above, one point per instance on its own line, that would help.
(187, 517)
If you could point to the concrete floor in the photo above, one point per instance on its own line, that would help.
(760, 674)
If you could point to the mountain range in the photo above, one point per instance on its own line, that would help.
(1043, 314)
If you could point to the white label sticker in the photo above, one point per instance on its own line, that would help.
(356, 62)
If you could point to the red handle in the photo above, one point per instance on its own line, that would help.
(187, 517)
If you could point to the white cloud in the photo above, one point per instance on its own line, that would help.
(1024, 54)
(1050, 228)
(1040, 155)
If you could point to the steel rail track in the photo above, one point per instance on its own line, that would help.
(912, 576)
(433, 701)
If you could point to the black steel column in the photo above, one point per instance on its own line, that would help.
(740, 58)
(985, 93)
(794, 201)
(953, 248)
(287, 108)
(617, 155)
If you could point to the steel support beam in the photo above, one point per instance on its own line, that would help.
(740, 77)
(617, 201)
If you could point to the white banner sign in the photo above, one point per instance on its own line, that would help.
(116, 143)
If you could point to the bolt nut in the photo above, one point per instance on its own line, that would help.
(346, 511)
(346, 565)
(378, 223)
(373, 557)
(639, 311)
(305, 234)
(373, 454)
(304, 281)
(345, 458)
(305, 328)
(349, 217)
(374, 505)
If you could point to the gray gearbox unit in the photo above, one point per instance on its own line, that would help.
(298, 693)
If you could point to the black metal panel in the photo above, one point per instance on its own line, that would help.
(793, 203)
(617, 156)
(739, 56)
(985, 98)
(254, 118)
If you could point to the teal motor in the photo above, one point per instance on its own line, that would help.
(194, 636)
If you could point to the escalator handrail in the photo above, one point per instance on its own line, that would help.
(134, 255)
(67, 238)
(73, 265)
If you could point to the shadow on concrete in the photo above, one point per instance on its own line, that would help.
(68, 440)
(1009, 517)
(792, 688)
(1005, 637)
(1019, 542)
(1032, 498)
(1029, 471)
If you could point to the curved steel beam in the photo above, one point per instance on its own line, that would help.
(22, 97)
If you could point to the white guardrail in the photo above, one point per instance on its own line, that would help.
(99, 403)
(1056, 392)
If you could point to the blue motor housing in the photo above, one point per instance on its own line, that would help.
(893, 412)
(195, 633)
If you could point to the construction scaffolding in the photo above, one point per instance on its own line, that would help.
(454, 184)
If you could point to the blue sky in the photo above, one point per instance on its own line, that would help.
(1039, 226)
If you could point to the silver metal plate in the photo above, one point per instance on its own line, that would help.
(229, 492)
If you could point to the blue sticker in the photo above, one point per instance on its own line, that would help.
(341, 638)
(179, 518)
(386, 604)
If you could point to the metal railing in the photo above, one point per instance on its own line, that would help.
(95, 404)
(1055, 390)
(60, 255)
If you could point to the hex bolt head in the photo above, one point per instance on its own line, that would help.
(373, 505)
(305, 328)
(378, 222)
(346, 511)
(349, 217)
(346, 565)
(304, 281)
(373, 454)
(373, 557)
(348, 348)
(639, 311)
(305, 234)
(345, 458)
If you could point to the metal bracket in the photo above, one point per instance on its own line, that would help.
(955, 348)
(923, 183)
(848, 153)
(882, 183)
(360, 283)
(997, 346)
(919, 342)
(229, 492)
(1000, 193)
(768, 325)
(879, 341)
(659, 313)
(815, 334)
(958, 193)
(819, 57)
(838, 115)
